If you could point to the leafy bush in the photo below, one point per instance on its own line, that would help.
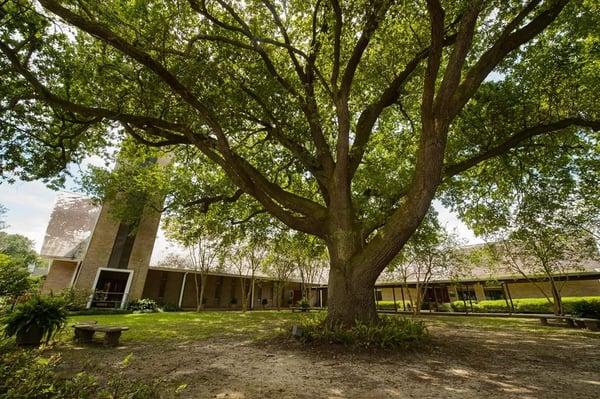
(45, 313)
(444, 307)
(75, 299)
(145, 305)
(169, 307)
(304, 304)
(522, 305)
(27, 374)
(389, 333)
(14, 279)
(588, 309)
(388, 305)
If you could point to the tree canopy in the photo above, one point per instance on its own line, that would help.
(342, 120)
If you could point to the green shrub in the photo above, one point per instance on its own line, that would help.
(588, 309)
(169, 307)
(389, 333)
(304, 304)
(45, 313)
(388, 305)
(522, 305)
(27, 374)
(75, 299)
(14, 279)
(145, 305)
(444, 307)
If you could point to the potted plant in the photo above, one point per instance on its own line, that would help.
(35, 319)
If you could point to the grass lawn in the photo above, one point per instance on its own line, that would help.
(193, 325)
(224, 355)
(190, 326)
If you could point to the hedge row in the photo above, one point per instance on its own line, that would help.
(572, 305)
(524, 305)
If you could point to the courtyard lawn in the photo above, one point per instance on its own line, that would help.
(193, 325)
(225, 354)
(230, 354)
(190, 326)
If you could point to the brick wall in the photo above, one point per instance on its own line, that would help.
(59, 276)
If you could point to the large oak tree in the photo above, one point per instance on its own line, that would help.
(342, 120)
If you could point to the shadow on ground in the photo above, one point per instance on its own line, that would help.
(463, 361)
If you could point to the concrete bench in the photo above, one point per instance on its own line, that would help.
(590, 324)
(84, 333)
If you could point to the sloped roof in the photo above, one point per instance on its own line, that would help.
(71, 225)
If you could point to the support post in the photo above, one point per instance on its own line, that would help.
(321, 298)
(182, 289)
(403, 301)
(394, 296)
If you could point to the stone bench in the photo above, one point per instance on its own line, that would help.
(590, 324)
(84, 333)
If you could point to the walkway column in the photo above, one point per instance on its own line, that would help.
(182, 289)
(403, 301)
(394, 296)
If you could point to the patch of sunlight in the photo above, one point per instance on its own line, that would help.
(590, 382)
(457, 390)
(393, 393)
(460, 372)
(422, 375)
(230, 395)
(335, 391)
(511, 387)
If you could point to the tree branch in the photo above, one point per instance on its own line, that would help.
(516, 139)
(506, 43)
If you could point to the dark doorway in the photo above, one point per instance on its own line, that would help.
(110, 289)
(437, 295)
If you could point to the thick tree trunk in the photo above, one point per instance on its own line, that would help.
(349, 300)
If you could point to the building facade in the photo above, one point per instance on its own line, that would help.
(88, 250)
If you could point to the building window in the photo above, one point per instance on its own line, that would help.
(218, 287)
(466, 294)
(493, 293)
(378, 294)
(163, 284)
(122, 247)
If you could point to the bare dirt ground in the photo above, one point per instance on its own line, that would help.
(462, 362)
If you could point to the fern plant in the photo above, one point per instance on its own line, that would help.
(46, 315)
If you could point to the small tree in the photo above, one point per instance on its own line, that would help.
(546, 235)
(19, 248)
(431, 252)
(544, 254)
(202, 246)
(245, 258)
(14, 280)
(310, 258)
(279, 264)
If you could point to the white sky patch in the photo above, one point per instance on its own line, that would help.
(30, 204)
